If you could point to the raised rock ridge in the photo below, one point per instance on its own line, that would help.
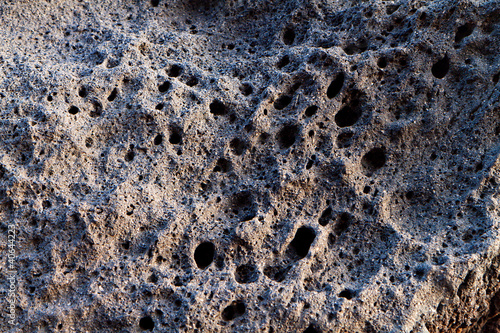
(251, 166)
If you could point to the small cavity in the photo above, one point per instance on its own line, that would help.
(374, 159)
(204, 254)
(347, 294)
(348, 115)
(311, 111)
(382, 62)
(282, 102)
(302, 241)
(311, 329)
(218, 108)
(129, 156)
(237, 146)
(223, 165)
(287, 136)
(164, 87)
(83, 92)
(246, 89)
(234, 310)
(246, 274)
(97, 110)
(464, 31)
(288, 36)
(147, 323)
(336, 85)
(192, 81)
(175, 71)
(113, 95)
(326, 216)
(175, 137)
(73, 110)
(285, 60)
(441, 68)
(344, 221)
(158, 139)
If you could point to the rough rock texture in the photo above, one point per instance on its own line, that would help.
(251, 166)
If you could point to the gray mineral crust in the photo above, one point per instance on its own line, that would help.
(270, 166)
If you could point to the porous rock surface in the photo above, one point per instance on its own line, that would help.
(251, 166)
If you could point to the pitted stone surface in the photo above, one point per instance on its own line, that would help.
(251, 166)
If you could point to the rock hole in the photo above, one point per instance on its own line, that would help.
(222, 165)
(374, 159)
(464, 31)
(496, 77)
(83, 92)
(234, 310)
(155, 3)
(276, 273)
(97, 111)
(343, 223)
(309, 164)
(175, 136)
(89, 142)
(441, 68)
(287, 136)
(113, 95)
(302, 241)
(391, 9)
(217, 108)
(311, 111)
(344, 140)
(288, 36)
(192, 81)
(175, 71)
(73, 110)
(238, 146)
(129, 157)
(348, 115)
(164, 87)
(311, 329)
(285, 60)
(158, 140)
(336, 85)
(382, 62)
(347, 294)
(282, 102)
(246, 89)
(204, 254)
(325, 217)
(246, 274)
(159, 106)
(147, 323)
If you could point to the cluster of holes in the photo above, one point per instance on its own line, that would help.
(347, 116)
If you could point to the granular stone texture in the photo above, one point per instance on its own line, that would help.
(250, 166)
